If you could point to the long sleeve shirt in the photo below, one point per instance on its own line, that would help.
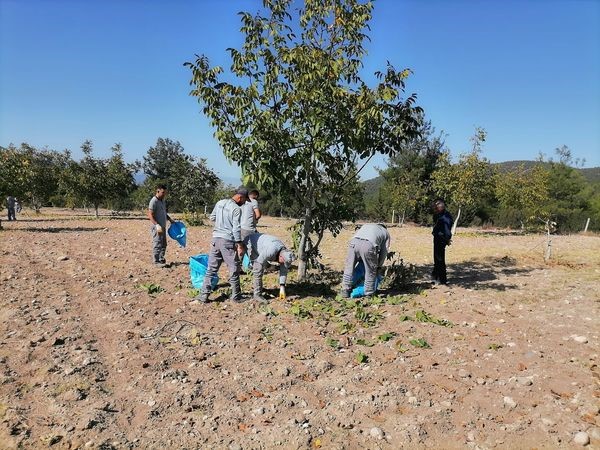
(226, 215)
(377, 235)
(248, 215)
(267, 248)
(442, 229)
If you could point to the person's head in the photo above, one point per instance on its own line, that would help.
(161, 191)
(240, 196)
(253, 194)
(439, 206)
(286, 257)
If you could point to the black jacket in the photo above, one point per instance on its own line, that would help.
(442, 228)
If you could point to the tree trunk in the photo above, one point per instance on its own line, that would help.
(302, 254)
(402, 220)
(455, 224)
(548, 253)
(96, 210)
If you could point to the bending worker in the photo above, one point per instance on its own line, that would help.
(370, 244)
(266, 249)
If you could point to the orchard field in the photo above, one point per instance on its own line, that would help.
(99, 349)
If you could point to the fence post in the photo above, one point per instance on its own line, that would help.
(393, 215)
(587, 224)
(204, 209)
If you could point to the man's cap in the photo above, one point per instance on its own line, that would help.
(288, 257)
(242, 191)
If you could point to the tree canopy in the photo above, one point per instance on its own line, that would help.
(295, 113)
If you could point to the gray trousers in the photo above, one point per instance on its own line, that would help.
(159, 244)
(258, 270)
(249, 250)
(361, 249)
(223, 250)
(11, 214)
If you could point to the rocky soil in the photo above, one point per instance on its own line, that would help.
(93, 356)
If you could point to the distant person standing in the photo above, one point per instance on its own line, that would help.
(157, 213)
(442, 236)
(250, 214)
(265, 249)
(18, 206)
(226, 244)
(370, 244)
(10, 205)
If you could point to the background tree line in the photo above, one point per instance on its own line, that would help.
(44, 177)
(522, 195)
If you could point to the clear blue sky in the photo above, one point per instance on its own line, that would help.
(111, 71)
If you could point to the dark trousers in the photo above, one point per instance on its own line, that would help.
(11, 214)
(439, 260)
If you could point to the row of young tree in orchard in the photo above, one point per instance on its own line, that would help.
(43, 177)
(296, 112)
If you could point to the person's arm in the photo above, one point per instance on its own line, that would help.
(256, 210)
(151, 217)
(283, 271)
(159, 228)
(448, 230)
(237, 231)
(383, 251)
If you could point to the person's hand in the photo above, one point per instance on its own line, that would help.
(159, 229)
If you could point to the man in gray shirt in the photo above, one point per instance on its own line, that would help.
(10, 205)
(266, 249)
(157, 213)
(250, 214)
(226, 244)
(370, 244)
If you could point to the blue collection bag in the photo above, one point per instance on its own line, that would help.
(198, 267)
(246, 262)
(177, 232)
(358, 280)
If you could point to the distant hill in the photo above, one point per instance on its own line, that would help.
(591, 174)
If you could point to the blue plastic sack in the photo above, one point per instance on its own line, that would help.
(358, 280)
(177, 232)
(246, 262)
(198, 267)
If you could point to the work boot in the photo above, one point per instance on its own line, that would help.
(200, 298)
(260, 299)
(344, 293)
(237, 298)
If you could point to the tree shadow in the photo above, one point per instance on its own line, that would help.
(317, 284)
(61, 229)
(178, 263)
(481, 274)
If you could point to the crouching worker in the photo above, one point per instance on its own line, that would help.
(265, 249)
(370, 244)
(226, 244)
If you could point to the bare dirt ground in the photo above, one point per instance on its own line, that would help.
(89, 359)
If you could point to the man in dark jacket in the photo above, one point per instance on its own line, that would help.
(442, 236)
